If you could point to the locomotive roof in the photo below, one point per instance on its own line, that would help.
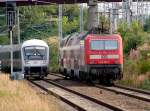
(34, 42)
(106, 35)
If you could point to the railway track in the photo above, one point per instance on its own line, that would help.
(133, 89)
(80, 101)
(130, 92)
(127, 91)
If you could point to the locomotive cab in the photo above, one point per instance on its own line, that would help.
(104, 56)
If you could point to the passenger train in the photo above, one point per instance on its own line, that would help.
(92, 56)
(35, 58)
(32, 54)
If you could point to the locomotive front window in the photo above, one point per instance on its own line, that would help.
(104, 45)
(35, 53)
(111, 44)
(97, 45)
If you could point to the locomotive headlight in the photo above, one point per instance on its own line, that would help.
(113, 56)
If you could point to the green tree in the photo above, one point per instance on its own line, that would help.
(132, 36)
(147, 25)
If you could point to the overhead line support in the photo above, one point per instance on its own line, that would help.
(92, 14)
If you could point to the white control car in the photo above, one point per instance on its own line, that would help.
(35, 58)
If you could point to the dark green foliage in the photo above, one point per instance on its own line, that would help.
(53, 58)
(145, 84)
(69, 26)
(71, 11)
(4, 40)
(35, 19)
(42, 21)
(132, 36)
(147, 25)
(53, 45)
(144, 66)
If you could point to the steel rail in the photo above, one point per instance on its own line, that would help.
(133, 89)
(58, 96)
(112, 107)
(120, 92)
(124, 92)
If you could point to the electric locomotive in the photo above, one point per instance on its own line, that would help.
(89, 56)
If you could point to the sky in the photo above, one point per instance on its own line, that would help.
(140, 8)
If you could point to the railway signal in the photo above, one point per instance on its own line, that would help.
(10, 13)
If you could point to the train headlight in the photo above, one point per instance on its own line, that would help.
(44, 62)
(27, 62)
(113, 56)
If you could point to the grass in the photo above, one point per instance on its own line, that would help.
(19, 96)
(136, 74)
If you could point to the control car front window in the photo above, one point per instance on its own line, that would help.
(35, 53)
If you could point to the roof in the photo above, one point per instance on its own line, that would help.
(34, 42)
(104, 36)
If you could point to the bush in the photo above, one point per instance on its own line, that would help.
(53, 45)
(4, 40)
(132, 36)
(136, 73)
(144, 66)
(145, 84)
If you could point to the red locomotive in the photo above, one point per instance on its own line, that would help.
(92, 56)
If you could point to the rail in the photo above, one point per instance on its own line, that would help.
(127, 92)
(95, 101)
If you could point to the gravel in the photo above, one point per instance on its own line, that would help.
(128, 103)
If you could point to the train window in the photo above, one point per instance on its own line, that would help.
(104, 44)
(72, 38)
(66, 40)
(70, 42)
(111, 44)
(35, 53)
(97, 45)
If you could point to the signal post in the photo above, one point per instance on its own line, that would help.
(11, 14)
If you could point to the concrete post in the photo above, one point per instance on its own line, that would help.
(128, 13)
(11, 52)
(92, 14)
(18, 24)
(115, 16)
(137, 15)
(142, 14)
(60, 23)
(123, 10)
(59, 29)
(81, 18)
(111, 21)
